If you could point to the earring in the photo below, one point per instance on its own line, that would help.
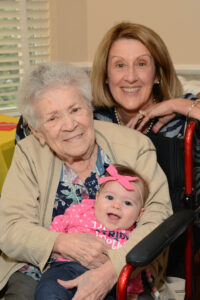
(158, 82)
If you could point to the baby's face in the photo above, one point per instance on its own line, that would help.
(117, 208)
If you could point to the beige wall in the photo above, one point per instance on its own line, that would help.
(79, 25)
(69, 30)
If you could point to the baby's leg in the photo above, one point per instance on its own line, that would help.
(49, 288)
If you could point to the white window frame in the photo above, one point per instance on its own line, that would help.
(24, 42)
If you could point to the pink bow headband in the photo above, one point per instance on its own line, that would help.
(123, 180)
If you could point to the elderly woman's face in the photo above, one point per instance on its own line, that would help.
(131, 74)
(65, 123)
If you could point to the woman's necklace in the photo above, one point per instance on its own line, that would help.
(146, 131)
(116, 116)
(149, 127)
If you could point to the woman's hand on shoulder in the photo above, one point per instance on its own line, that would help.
(163, 111)
(93, 284)
(87, 249)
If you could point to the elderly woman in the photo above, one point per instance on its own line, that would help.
(57, 166)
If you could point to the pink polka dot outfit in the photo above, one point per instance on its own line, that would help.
(81, 218)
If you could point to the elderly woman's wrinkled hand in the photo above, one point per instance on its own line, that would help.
(94, 284)
(89, 250)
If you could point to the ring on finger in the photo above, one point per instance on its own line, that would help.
(143, 113)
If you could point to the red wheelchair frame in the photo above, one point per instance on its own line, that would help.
(168, 231)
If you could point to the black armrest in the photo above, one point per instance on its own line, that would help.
(160, 238)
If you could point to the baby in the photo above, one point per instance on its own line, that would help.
(112, 216)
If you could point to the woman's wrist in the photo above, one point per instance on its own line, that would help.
(109, 269)
(191, 107)
(57, 248)
(181, 106)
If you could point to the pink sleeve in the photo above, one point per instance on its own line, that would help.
(60, 223)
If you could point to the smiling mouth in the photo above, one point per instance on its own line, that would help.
(130, 90)
(113, 217)
(73, 138)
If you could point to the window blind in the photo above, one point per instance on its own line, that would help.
(24, 41)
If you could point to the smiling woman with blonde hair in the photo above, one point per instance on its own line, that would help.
(134, 82)
(169, 85)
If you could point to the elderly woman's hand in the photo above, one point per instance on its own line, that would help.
(87, 249)
(164, 111)
(93, 284)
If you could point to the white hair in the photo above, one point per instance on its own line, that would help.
(47, 76)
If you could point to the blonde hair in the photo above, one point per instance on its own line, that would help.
(169, 85)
